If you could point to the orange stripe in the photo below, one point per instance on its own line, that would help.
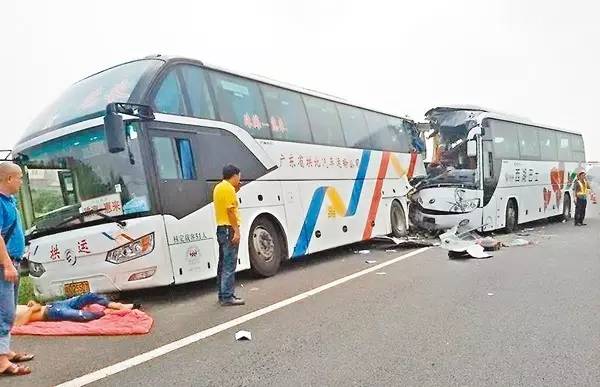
(413, 164)
(385, 159)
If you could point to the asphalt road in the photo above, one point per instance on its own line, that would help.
(527, 316)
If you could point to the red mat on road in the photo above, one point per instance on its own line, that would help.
(123, 322)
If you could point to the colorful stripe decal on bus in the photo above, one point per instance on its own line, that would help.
(385, 159)
(316, 203)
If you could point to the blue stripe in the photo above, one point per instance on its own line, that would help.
(310, 222)
(358, 183)
(312, 215)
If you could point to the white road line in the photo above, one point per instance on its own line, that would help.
(175, 345)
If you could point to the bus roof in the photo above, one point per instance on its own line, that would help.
(273, 82)
(488, 113)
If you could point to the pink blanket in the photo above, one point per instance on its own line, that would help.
(123, 322)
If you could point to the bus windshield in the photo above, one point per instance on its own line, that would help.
(92, 94)
(450, 164)
(75, 174)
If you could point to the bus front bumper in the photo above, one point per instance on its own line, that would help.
(426, 220)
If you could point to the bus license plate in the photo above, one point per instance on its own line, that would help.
(77, 288)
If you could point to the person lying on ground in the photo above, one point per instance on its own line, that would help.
(69, 310)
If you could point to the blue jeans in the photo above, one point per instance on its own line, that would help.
(227, 263)
(70, 310)
(17, 266)
(7, 312)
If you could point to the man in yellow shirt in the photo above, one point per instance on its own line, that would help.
(582, 187)
(228, 234)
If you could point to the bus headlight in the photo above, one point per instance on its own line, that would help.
(132, 250)
(36, 269)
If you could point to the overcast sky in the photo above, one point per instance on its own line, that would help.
(538, 59)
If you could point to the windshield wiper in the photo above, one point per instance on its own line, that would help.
(98, 212)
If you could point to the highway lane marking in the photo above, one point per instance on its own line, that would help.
(194, 338)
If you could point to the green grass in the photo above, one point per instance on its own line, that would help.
(25, 290)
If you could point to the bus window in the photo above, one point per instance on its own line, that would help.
(174, 159)
(577, 148)
(324, 121)
(529, 145)
(169, 98)
(506, 144)
(378, 127)
(186, 158)
(547, 144)
(286, 114)
(197, 89)
(564, 147)
(240, 103)
(354, 126)
(400, 137)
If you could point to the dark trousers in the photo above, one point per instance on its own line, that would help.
(227, 263)
(580, 205)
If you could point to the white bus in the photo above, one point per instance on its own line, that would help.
(491, 171)
(121, 168)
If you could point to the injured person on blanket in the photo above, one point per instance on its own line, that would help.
(71, 309)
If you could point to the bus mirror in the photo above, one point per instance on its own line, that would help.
(471, 148)
(114, 130)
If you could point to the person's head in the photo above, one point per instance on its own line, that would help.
(581, 175)
(232, 174)
(11, 178)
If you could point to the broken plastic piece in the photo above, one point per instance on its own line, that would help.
(364, 252)
(243, 335)
(476, 251)
(381, 273)
(370, 261)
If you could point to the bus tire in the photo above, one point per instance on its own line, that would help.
(398, 220)
(266, 247)
(566, 215)
(512, 217)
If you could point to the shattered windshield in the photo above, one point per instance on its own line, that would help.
(75, 174)
(450, 163)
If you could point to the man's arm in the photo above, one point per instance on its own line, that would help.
(10, 273)
(234, 221)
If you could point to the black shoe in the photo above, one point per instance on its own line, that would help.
(137, 306)
(583, 224)
(234, 301)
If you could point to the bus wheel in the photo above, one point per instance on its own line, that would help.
(511, 217)
(398, 219)
(265, 247)
(566, 215)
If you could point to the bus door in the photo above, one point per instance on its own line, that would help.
(184, 202)
(490, 180)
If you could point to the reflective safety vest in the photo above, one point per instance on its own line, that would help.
(582, 189)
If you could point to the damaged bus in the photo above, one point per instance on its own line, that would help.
(120, 172)
(491, 171)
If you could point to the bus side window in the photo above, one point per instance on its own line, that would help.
(286, 114)
(577, 148)
(169, 97)
(354, 125)
(174, 158)
(378, 129)
(564, 147)
(239, 102)
(324, 121)
(547, 144)
(196, 86)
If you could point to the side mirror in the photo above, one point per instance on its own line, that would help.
(114, 130)
(472, 148)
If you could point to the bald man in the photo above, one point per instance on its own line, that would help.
(12, 247)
